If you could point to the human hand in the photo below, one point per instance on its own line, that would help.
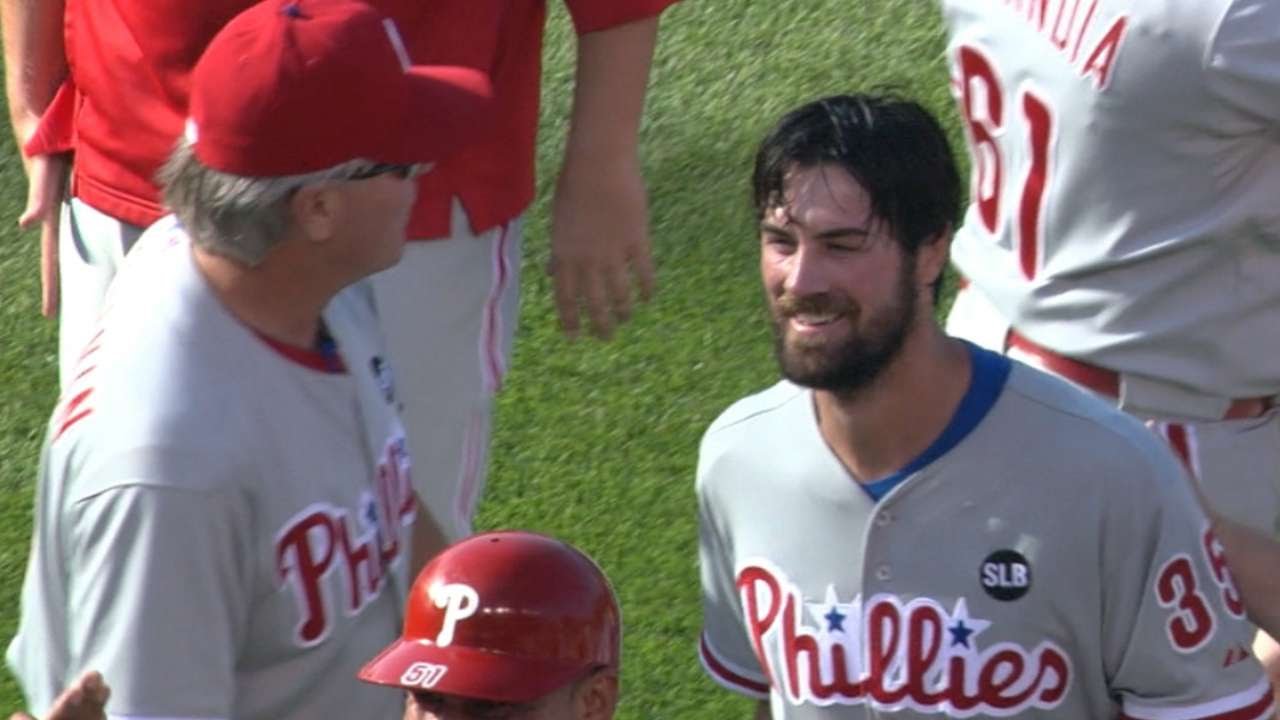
(600, 245)
(85, 699)
(46, 182)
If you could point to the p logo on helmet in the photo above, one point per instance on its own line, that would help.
(459, 602)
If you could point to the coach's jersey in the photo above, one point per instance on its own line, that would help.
(1126, 169)
(222, 523)
(1050, 562)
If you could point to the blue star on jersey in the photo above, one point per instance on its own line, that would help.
(964, 628)
(832, 613)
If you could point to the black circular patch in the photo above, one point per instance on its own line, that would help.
(1005, 575)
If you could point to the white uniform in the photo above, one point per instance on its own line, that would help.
(1044, 558)
(461, 294)
(1126, 169)
(222, 523)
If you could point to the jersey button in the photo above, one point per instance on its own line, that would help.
(884, 518)
(884, 573)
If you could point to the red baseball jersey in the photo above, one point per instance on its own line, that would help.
(131, 60)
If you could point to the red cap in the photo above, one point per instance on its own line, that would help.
(503, 616)
(296, 86)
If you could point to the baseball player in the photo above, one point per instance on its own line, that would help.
(911, 526)
(225, 505)
(1123, 227)
(506, 624)
(450, 307)
(500, 625)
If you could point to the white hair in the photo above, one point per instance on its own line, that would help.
(238, 217)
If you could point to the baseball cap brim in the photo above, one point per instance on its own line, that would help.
(469, 672)
(445, 109)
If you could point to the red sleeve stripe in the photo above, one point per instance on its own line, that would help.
(730, 679)
(73, 412)
(1260, 705)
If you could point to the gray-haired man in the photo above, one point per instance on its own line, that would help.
(225, 507)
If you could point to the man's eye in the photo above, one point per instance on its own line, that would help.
(852, 245)
(495, 711)
(428, 701)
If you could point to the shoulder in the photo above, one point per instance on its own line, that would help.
(756, 411)
(162, 385)
(745, 426)
(182, 474)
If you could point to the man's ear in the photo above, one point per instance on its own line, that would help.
(316, 211)
(932, 257)
(597, 696)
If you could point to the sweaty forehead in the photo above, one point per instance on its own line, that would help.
(820, 196)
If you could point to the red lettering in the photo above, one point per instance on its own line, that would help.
(1037, 11)
(1103, 58)
(308, 548)
(296, 558)
(1191, 624)
(956, 684)
(1216, 556)
(923, 622)
(1084, 28)
(796, 645)
(884, 628)
(758, 625)
(904, 649)
(1053, 661)
(1000, 672)
(983, 109)
(1039, 127)
(1059, 35)
(359, 564)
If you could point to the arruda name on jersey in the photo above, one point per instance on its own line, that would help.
(1072, 28)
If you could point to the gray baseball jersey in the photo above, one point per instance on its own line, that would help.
(1126, 160)
(221, 522)
(1044, 558)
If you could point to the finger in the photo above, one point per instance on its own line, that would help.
(596, 297)
(49, 267)
(30, 216)
(95, 688)
(566, 297)
(642, 266)
(66, 706)
(44, 190)
(618, 285)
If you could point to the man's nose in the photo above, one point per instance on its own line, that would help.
(807, 272)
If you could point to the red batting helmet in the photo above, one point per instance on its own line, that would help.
(502, 616)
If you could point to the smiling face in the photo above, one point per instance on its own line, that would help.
(842, 293)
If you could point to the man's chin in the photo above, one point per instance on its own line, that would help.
(806, 370)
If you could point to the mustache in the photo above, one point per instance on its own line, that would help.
(788, 305)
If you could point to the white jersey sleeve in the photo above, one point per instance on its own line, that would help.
(1175, 644)
(1244, 58)
(724, 648)
(160, 581)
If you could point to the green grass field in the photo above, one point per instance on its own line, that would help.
(596, 442)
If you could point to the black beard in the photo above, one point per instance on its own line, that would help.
(852, 365)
